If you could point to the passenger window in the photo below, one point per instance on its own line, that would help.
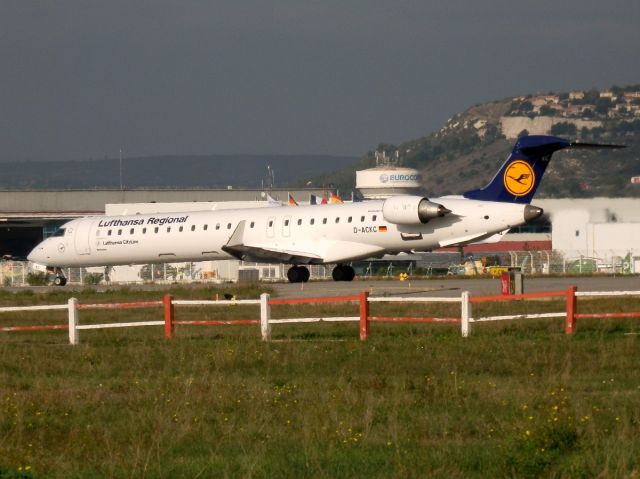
(109, 233)
(131, 231)
(349, 219)
(299, 222)
(228, 226)
(181, 229)
(373, 218)
(168, 229)
(312, 221)
(362, 219)
(251, 225)
(270, 223)
(217, 226)
(144, 231)
(205, 227)
(193, 227)
(286, 222)
(337, 220)
(156, 229)
(119, 232)
(324, 221)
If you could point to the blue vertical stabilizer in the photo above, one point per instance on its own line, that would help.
(519, 177)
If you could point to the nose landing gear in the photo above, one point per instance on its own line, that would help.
(59, 278)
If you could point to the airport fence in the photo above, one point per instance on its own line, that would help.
(538, 262)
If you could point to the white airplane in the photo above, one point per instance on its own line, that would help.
(316, 234)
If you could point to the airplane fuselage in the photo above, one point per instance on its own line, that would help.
(317, 234)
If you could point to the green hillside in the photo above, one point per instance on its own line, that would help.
(467, 151)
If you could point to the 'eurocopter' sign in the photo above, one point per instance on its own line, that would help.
(399, 177)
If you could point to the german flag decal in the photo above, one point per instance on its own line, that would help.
(382, 229)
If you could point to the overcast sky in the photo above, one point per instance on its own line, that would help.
(81, 79)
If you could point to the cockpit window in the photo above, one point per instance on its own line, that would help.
(59, 232)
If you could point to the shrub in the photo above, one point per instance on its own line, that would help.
(37, 278)
(93, 278)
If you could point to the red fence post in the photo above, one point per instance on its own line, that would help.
(570, 325)
(505, 284)
(168, 316)
(364, 315)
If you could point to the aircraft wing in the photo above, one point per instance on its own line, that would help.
(319, 251)
(463, 240)
(267, 254)
(495, 238)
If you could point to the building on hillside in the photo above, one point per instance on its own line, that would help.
(608, 94)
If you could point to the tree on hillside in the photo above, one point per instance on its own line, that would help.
(546, 110)
(591, 97)
(564, 128)
(603, 105)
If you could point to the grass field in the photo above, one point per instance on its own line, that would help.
(516, 399)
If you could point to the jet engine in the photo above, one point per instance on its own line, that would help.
(411, 210)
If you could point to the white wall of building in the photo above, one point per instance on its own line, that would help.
(596, 228)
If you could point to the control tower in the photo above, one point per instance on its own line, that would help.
(388, 178)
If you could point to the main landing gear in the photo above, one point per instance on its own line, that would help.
(298, 274)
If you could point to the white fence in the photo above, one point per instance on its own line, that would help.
(266, 321)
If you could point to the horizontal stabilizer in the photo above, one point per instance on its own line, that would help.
(594, 146)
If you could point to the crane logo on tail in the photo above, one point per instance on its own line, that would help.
(519, 178)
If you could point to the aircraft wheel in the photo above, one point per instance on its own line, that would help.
(60, 281)
(349, 273)
(343, 273)
(336, 274)
(304, 272)
(298, 274)
(292, 274)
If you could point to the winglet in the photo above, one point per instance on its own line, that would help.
(233, 246)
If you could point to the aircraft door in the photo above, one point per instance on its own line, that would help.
(82, 237)
(286, 226)
(271, 221)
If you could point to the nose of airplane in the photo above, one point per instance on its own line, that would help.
(37, 255)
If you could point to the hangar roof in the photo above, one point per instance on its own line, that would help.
(71, 203)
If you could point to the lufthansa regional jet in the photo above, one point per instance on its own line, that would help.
(316, 234)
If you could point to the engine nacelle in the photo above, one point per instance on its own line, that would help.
(411, 210)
